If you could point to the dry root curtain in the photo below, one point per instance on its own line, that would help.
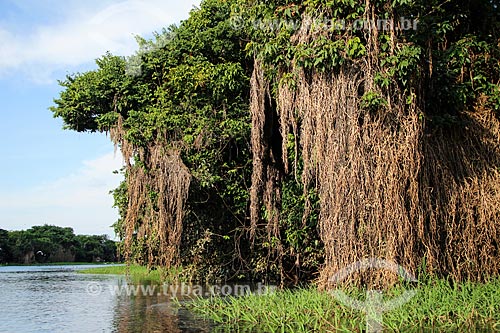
(157, 190)
(389, 186)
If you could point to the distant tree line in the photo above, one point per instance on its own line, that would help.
(48, 243)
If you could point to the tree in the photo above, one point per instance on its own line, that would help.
(21, 246)
(50, 243)
(368, 129)
(95, 248)
(5, 247)
(186, 113)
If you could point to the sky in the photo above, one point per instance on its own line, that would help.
(49, 175)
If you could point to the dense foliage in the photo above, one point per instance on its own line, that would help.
(259, 136)
(189, 95)
(47, 243)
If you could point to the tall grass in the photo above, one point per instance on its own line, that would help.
(136, 273)
(437, 306)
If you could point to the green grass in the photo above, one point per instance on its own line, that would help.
(136, 273)
(437, 306)
(75, 263)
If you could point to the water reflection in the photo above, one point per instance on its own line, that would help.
(143, 313)
(57, 299)
(150, 308)
(50, 299)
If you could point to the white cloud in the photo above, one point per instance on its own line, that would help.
(80, 200)
(85, 35)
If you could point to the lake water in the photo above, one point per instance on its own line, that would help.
(58, 299)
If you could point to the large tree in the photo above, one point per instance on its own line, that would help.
(369, 129)
(178, 110)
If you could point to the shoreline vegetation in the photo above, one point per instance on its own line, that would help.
(438, 305)
(136, 273)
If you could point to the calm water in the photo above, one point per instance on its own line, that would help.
(57, 299)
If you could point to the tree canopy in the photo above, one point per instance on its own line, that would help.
(48, 243)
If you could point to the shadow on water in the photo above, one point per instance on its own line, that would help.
(154, 308)
(144, 313)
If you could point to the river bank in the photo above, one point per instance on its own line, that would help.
(437, 305)
(434, 305)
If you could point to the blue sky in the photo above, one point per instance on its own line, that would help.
(50, 175)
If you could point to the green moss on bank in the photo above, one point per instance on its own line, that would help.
(437, 306)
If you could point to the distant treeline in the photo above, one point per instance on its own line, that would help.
(48, 243)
